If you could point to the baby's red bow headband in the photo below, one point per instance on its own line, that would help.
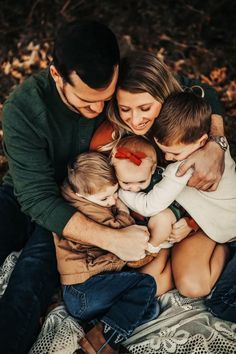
(135, 157)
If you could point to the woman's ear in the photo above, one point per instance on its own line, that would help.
(203, 139)
(155, 140)
(112, 156)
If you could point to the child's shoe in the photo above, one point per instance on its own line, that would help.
(94, 342)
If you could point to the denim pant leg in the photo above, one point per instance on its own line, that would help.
(14, 225)
(119, 299)
(29, 291)
(222, 302)
(135, 306)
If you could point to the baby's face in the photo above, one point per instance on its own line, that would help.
(106, 198)
(132, 177)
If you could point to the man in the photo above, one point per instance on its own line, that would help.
(47, 120)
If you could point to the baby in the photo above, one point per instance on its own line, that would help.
(135, 161)
(95, 288)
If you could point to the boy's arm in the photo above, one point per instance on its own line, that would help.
(161, 196)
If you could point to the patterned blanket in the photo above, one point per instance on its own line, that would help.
(183, 327)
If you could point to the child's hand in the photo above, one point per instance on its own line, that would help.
(121, 206)
(180, 230)
(208, 163)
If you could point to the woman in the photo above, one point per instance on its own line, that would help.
(143, 85)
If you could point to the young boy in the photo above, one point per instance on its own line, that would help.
(94, 287)
(183, 127)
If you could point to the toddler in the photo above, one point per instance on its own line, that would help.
(95, 288)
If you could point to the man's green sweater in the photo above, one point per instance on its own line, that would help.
(40, 136)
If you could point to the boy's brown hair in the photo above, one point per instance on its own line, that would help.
(90, 172)
(184, 118)
(134, 144)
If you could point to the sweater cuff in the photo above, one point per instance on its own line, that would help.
(59, 217)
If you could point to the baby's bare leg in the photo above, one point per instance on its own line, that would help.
(160, 269)
(160, 226)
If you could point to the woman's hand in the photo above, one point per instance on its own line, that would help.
(208, 165)
(180, 230)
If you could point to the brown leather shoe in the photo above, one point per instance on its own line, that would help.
(94, 340)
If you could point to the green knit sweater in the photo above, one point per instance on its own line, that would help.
(40, 136)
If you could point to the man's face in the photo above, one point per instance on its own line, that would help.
(81, 98)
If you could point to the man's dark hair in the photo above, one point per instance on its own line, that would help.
(184, 118)
(90, 49)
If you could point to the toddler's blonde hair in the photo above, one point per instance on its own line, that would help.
(90, 172)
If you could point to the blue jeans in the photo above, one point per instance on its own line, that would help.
(121, 300)
(222, 302)
(33, 280)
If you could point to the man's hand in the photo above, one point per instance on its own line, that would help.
(180, 230)
(128, 243)
(131, 243)
(208, 165)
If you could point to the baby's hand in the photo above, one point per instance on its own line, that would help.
(180, 230)
(121, 206)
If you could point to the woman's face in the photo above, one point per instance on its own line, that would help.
(138, 110)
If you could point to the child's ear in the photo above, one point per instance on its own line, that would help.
(203, 140)
(154, 168)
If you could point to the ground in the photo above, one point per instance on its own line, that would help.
(194, 38)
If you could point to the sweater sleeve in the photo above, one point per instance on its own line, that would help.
(32, 171)
(102, 136)
(209, 93)
(162, 194)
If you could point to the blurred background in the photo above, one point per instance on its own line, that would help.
(196, 38)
